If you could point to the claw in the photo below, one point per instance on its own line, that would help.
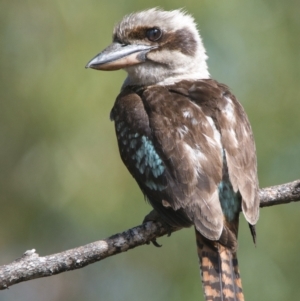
(156, 244)
(155, 217)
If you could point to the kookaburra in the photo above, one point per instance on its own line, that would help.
(184, 138)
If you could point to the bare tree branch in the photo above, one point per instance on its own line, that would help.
(31, 266)
(280, 194)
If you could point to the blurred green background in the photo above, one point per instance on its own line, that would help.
(62, 183)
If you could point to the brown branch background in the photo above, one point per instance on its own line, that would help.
(32, 266)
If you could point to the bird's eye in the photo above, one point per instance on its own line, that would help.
(153, 34)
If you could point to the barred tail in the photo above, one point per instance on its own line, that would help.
(219, 271)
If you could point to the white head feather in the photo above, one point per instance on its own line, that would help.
(165, 66)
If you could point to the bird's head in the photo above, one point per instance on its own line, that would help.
(155, 47)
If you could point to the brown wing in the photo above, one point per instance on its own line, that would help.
(190, 146)
(238, 142)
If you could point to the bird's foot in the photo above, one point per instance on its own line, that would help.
(153, 216)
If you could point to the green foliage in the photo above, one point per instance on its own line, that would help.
(62, 183)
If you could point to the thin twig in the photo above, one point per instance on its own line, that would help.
(32, 266)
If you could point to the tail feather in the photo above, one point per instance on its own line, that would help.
(219, 270)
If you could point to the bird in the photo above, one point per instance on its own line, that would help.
(185, 139)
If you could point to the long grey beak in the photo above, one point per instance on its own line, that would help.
(117, 56)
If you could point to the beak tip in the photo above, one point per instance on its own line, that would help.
(92, 63)
(88, 65)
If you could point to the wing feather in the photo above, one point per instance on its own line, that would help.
(237, 140)
(192, 151)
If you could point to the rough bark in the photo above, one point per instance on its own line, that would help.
(32, 266)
